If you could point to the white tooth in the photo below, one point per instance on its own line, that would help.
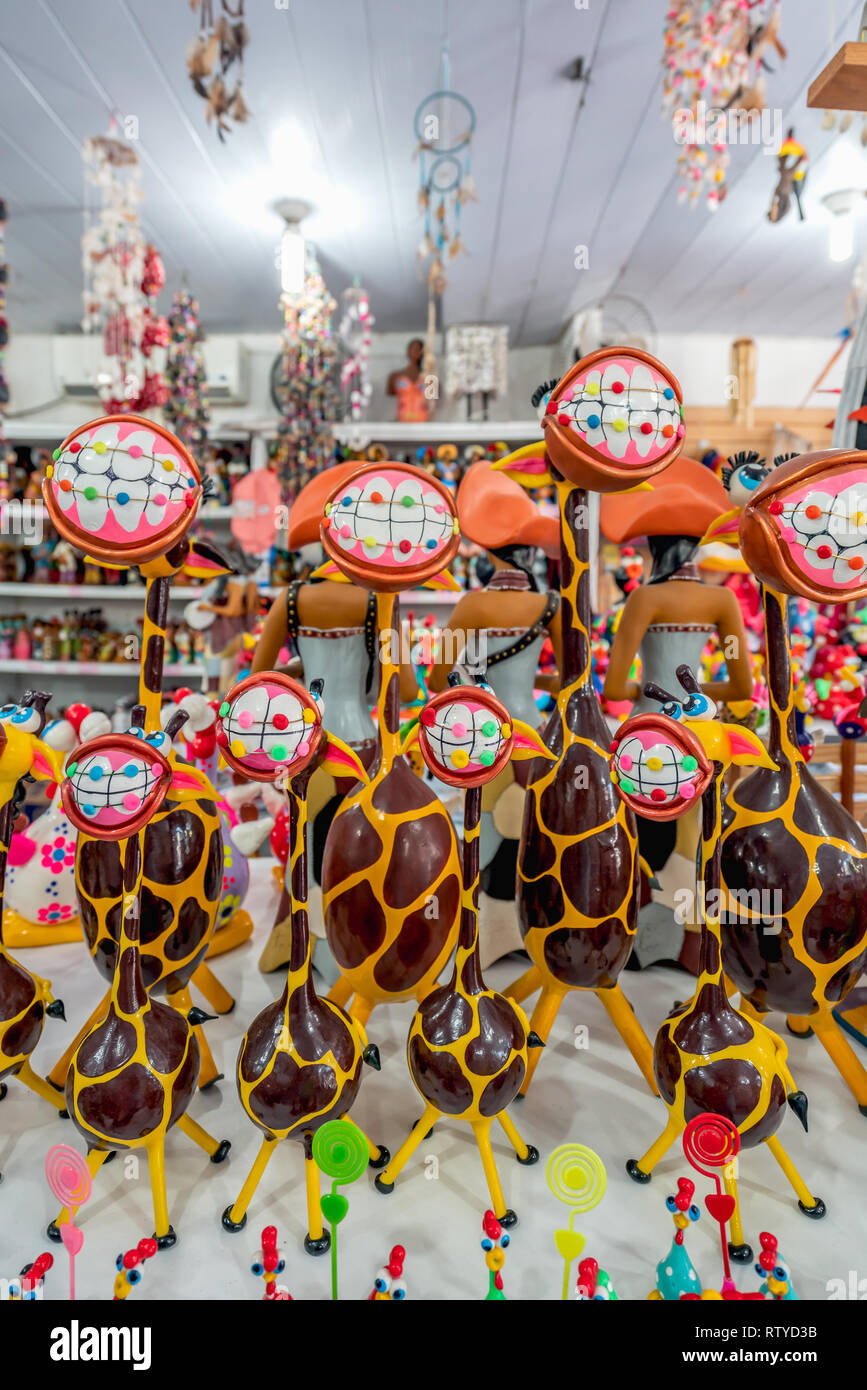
(155, 512)
(611, 374)
(617, 440)
(842, 573)
(69, 473)
(593, 437)
(134, 468)
(845, 525)
(127, 514)
(593, 378)
(642, 389)
(91, 512)
(809, 525)
(90, 462)
(642, 442)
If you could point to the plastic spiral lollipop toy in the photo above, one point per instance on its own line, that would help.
(576, 1175)
(71, 1183)
(340, 1152)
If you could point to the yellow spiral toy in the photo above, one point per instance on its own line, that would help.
(576, 1175)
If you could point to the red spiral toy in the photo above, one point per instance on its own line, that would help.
(710, 1143)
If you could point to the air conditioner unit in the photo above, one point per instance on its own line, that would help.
(77, 358)
(226, 368)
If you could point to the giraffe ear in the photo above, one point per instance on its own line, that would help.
(746, 748)
(330, 571)
(528, 466)
(411, 737)
(341, 761)
(443, 580)
(528, 743)
(188, 783)
(47, 763)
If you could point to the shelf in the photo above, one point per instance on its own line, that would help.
(438, 431)
(49, 432)
(123, 593)
(130, 670)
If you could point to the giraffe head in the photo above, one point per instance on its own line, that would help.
(115, 784)
(270, 729)
(22, 752)
(467, 736)
(662, 763)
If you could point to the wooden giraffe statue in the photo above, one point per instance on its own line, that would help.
(125, 491)
(709, 1058)
(467, 1045)
(133, 1075)
(612, 422)
(25, 998)
(801, 529)
(390, 873)
(300, 1059)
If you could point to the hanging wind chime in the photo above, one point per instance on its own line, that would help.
(4, 339)
(305, 385)
(353, 334)
(186, 412)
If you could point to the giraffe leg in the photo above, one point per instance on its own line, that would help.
(28, 1076)
(341, 992)
(810, 1205)
(164, 1234)
(95, 1159)
(317, 1241)
(482, 1131)
(182, 1000)
(798, 1027)
(738, 1248)
(544, 1014)
(216, 1149)
(378, 1153)
(750, 1011)
(527, 1153)
(842, 1056)
(525, 985)
(620, 1011)
(57, 1075)
(361, 1009)
(235, 1217)
(641, 1169)
(237, 930)
(385, 1181)
(207, 983)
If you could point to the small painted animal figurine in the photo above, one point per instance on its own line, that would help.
(389, 1286)
(391, 849)
(495, 1243)
(267, 1264)
(31, 1280)
(300, 1060)
(594, 1284)
(25, 998)
(613, 422)
(709, 1058)
(675, 1274)
(774, 1272)
(467, 1045)
(132, 1077)
(129, 1267)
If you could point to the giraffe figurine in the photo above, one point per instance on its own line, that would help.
(25, 998)
(132, 1077)
(709, 1058)
(611, 423)
(90, 490)
(467, 1045)
(801, 529)
(300, 1060)
(390, 871)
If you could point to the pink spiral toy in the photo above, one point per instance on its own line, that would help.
(70, 1181)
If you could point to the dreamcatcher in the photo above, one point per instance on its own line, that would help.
(444, 123)
(353, 335)
(212, 55)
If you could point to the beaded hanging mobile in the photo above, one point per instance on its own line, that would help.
(354, 336)
(186, 411)
(444, 123)
(305, 385)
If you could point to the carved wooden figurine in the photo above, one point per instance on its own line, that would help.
(467, 1046)
(300, 1059)
(709, 1058)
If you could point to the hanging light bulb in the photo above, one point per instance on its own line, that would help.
(293, 247)
(841, 230)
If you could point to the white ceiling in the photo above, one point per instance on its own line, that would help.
(347, 75)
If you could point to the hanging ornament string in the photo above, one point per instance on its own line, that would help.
(306, 388)
(186, 410)
(217, 51)
(354, 337)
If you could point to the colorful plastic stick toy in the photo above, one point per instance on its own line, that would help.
(611, 423)
(709, 1057)
(802, 532)
(31, 1280)
(495, 1242)
(388, 1286)
(711, 1142)
(132, 1077)
(128, 1271)
(300, 1060)
(267, 1264)
(467, 1045)
(125, 492)
(594, 1283)
(675, 1275)
(391, 848)
(340, 1151)
(70, 1181)
(25, 998)
(576, 1175)
(774, 1272)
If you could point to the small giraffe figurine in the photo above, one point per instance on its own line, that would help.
(133, 1075)
(125, 491)
(467, 1045)
(25, 998)
(801, 529)
(391, 849)
(611, 423)
(709, 1058)
(300, 1060)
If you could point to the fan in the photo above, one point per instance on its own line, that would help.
(617, 321)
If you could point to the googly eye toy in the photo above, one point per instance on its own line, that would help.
(389, 1286)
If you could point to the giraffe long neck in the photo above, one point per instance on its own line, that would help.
(387, 622)
(782, 738)
(5, 837)
(710, 958)
(154, 647)
(127, 991)
(574, 585)
(468, 967)
(299, 948)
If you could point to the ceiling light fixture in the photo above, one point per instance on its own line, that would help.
(293, 248)
(841, 232)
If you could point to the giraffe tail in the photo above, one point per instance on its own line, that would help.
(56, 1010)
(371, 1056)
(797, 1101)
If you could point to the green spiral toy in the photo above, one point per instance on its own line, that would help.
(340, 1152)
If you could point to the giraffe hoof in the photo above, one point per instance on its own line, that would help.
(508, 1219)
(383, 1160)
(816, 1211)
(382, 1186)
(63, 1114)
(53, 1232)
(532, 1156)
(741, 1253)
(206, 1085)
(220, 1153)
(110, 1157)
(320, 1246)
(229, 1224)
(168, 1240)
(862, 1109)
(802, 1033)
(520, 1096)
(3, 1089)
(637, 1174)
